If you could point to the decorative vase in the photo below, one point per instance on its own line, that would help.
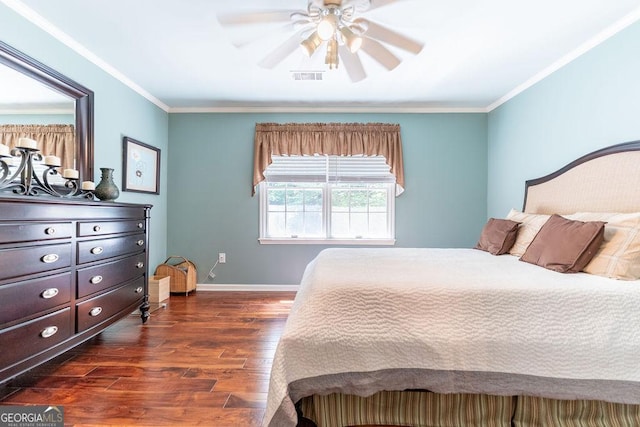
(107, 190)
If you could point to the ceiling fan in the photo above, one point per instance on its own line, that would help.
(338, 27)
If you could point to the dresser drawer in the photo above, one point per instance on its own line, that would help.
(96, 310)
(10, 233)
(35, 259)
(23, 299)
(98, 228)
(94, 250)
(100, 277)
(32, 337)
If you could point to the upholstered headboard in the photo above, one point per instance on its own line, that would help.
(607, 180)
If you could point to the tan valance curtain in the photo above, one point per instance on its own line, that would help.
(53, 140)
(335, 139)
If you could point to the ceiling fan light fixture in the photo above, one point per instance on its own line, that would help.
(328, 25)
(353, 41)
(336, 27)
(311, 43)
(332, 54)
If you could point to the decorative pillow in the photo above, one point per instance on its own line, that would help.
(498, 235)
(565, 245)
(530, 224)
(619, 254)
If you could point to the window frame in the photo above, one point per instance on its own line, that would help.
(326, 209)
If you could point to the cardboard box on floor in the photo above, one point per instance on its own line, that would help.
(159, 288)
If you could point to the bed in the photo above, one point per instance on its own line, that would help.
(466, 337)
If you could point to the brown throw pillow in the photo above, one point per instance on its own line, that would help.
(564, 245)
(498, 235)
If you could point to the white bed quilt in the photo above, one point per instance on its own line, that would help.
(453, 310)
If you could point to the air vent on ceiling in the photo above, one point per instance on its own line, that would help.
(307, 75)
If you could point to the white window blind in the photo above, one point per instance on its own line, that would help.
(324, 168)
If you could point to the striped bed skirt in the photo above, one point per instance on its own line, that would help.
(426, 409)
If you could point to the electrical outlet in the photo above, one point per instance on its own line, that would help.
(222, 257)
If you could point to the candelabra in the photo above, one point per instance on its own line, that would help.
(24, 180)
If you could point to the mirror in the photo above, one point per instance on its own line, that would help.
(62, 94)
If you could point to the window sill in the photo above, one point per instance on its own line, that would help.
(307, 241)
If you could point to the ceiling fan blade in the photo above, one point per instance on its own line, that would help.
(267, 16)
(247, 40)
(352, 64)
(380, 53)
(386, 35)
(281, 52)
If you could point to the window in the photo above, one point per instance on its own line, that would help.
(327, 199)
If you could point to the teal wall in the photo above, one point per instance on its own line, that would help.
(211, 209)
(119, 111)
(592, 102)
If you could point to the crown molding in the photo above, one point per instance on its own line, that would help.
(337, 109)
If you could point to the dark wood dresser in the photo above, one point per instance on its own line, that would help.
(68, 269)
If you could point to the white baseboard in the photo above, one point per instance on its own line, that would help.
(246, 288)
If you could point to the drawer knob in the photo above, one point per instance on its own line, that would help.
(50, 258)
(50, 231)
(140, 264)
(95, 311)
(139, 290)
(49, 293)
(96, 279)
(97, 250)
(140, 225)
(140, 242)
(96, 228)
(49, 331)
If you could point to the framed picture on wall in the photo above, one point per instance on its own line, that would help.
(141, 167)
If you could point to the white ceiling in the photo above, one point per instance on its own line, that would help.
(477, 53)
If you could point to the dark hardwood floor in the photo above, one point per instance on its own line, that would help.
(203, 360)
